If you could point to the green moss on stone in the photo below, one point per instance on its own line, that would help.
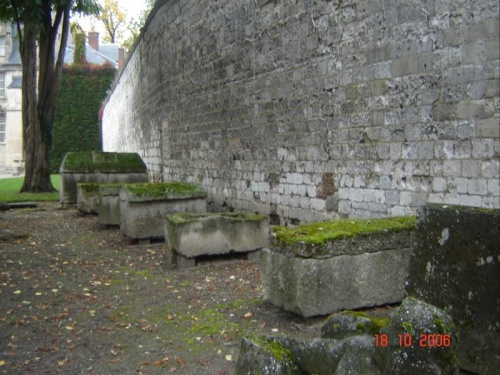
(106, 162)
(279, 351)
(160, 189)
(319, 233)
(408, 327)
(89, 187)
(375, 325)
(443, 328)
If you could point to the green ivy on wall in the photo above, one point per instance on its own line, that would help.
(76, 124)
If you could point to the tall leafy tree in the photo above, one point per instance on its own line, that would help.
(135, 25)
(113, 19)
(42, 29)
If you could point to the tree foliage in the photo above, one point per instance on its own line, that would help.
(39, 22)
(113, 20)
(136, 24)
(76, 124)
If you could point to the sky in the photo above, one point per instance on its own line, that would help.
(131, 8)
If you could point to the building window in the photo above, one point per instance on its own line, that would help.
(2, 46)
(2, 85)
(2, 127)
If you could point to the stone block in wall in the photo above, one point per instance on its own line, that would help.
(98, 167)
(320, 268)
(143, 206)
(455, 266)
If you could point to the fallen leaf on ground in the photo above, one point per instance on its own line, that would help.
(181, 361)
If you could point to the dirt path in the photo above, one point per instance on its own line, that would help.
(78, 299)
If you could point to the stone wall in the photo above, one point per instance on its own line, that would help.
(309, 110)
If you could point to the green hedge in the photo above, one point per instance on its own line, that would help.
(76, 124)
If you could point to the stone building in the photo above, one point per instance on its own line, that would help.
(10, 102)
(310, 110)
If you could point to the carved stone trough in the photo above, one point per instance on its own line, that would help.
(143, 207)
(98, 167)
(321, 268)
(193, 235)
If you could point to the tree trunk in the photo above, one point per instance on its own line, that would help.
(39, 110)
(37, 173)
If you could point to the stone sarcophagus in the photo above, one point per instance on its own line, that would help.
(192, 235)
(109, 204)
(143, 206)
(98, 167)
(321, 268)
(88, 198)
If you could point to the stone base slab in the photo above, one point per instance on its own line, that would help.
(311, 287)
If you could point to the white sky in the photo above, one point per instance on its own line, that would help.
(131, 8)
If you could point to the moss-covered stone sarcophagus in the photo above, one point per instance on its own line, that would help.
(143, 206)
(321, 268)
(193, 235)
(98, 167)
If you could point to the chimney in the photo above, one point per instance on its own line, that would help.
(94, 40)
(121, 58)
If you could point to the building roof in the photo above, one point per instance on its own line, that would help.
(107, 53)
(15, 56)
(16, 82)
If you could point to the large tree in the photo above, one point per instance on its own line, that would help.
(42, 25)
(135, 25)
(113, 20)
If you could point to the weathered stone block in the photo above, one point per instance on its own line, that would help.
(433, 341)
(321, 268)
(191, 235)
(98, 167)
(350, 346)
(88, 198)
(143, 206)
(455, 266)
(109, 204)
(265, 356)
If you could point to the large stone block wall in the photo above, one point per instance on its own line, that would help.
(310, 110)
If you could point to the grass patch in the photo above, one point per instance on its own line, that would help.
(9, 191)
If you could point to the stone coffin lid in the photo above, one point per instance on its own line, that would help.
(343, 237)
(161, 191)
(103, 162)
